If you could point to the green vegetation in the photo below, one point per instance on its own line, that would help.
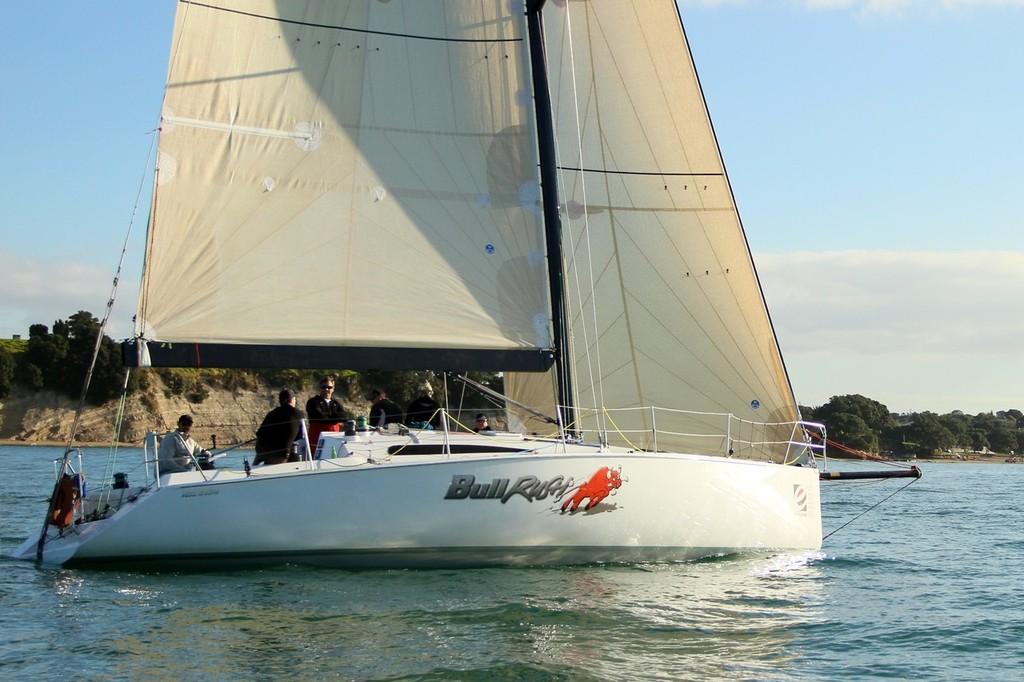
(58, 360)
(859, 423)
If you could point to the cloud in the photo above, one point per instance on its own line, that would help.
(892, 8)
(898, 8)
(862, 302)
(38, 291)
(921, 330)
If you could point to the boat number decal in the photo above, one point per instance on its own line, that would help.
(603, 483)
(800, 497)
(200, 493)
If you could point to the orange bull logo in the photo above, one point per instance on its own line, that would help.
(603, 483)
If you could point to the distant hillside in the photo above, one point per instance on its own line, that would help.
(230, 415)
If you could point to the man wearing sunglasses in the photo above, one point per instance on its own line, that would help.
(324, 412)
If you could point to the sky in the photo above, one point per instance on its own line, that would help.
(875, 148)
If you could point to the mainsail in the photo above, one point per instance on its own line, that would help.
(363, 176)
(665, 306)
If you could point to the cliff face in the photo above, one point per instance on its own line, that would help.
(231, 416)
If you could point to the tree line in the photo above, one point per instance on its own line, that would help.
(863, 424)
(57, 359)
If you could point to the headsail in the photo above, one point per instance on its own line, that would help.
(665, 306)
(363, 176)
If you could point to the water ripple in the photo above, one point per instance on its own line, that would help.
(924, 587)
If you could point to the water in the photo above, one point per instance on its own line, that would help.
(927, 587)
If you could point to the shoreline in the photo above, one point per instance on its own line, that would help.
(85, 444)
(943, 459)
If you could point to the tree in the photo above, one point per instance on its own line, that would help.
(1000, 431)
(6, 373)
(959, 425)
(60, 360)
(107, 375)
(853, 432)
(930, 434)
(979, 441)
(47, 352)
(28, 375)
(873, 413)
(1016, 415)
(1003, 437)
(855, 421)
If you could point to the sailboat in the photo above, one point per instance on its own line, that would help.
(523, 186)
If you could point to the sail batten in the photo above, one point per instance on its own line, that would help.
(667, 174)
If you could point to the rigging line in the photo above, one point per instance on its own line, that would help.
(118, 421)
(109, 308)
(589, 357)
(871, 508)
(597, 383)
(491, 393)
(365, 31)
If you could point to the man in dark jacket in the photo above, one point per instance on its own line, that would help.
(384, 411)
(280, 428)
(424, 409)
(324, 412)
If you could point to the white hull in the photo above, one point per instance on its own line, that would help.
(367, 508)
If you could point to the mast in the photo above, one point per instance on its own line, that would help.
(549, 197)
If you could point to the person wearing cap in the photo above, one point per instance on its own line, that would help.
(481, 423)
(280, 428)
(325, 413)
(177, 451)
(384, 410)
(424, 410)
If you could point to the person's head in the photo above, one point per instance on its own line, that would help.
(185, 422)
(481, 420)
(326, 387)
(426, 389)
(376, 395)
(286, 397)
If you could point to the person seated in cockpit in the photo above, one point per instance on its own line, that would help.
(178, 451)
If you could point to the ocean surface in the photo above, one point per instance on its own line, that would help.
(927, 585)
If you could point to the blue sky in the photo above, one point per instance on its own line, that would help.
(875, 148)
